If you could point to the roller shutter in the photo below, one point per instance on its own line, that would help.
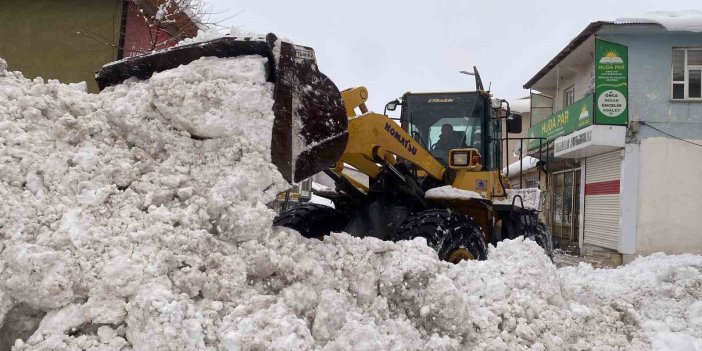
(602, 200)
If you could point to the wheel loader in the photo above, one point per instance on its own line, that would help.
(435, 174)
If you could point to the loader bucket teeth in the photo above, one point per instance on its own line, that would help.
(310, 130)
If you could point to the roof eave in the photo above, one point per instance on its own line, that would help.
(592, 28)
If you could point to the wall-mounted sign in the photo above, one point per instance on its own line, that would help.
(574, 117)
(590, 141)
(611, 83)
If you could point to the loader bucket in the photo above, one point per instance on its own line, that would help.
(310, 130)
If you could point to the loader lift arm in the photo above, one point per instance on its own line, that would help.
(375, 139)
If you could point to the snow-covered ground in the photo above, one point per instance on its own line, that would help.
(119, 231)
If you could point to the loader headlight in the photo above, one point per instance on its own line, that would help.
(467, 159)
(459, 158)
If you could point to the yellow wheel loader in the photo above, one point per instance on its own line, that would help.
(435, 174)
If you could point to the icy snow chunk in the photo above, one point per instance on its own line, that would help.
(195, 96)
(38, 276)
(104, 310)
(58, 321)
(675, 342)
(273, 328)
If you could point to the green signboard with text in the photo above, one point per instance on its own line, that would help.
(611, 83)
(574, 117)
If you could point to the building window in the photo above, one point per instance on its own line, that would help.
(569, 96)
(687, 74)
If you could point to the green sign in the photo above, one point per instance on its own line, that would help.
(611, 83)
(572, 118)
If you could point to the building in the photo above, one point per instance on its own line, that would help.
(70, 40)
(621, 108)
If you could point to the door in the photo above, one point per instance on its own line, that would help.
(565, 204)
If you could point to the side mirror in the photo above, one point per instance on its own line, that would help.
(514, 124)
(391, 106)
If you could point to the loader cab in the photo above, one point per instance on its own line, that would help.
(444, 121)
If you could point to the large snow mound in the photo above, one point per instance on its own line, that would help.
(135, 219)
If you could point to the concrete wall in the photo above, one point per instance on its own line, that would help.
(650, 66)
(670, 197)
(581, 79)
(40, 37)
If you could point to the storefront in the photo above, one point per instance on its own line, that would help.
(599, 151)
(623, 139)
(586, 138)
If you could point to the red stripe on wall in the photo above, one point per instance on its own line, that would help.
(602, 188)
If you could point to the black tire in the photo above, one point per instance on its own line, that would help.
(542, 236)
(445, 232)
(312, 220)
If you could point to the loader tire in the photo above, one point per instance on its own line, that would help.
(454, 236)
(542, 236)
(312, 220)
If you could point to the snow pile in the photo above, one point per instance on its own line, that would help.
(451, 193)
(135, 220)
(525, 164)
(528, 198)
(685, 21)
(659, 294)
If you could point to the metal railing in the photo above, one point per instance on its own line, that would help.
(542, 143)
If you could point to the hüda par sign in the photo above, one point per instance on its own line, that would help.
(611, 83)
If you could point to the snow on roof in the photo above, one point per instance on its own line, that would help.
(674, 21)
(521, 105)
(528, 163)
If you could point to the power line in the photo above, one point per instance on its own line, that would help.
(671, 122)
(668, 134)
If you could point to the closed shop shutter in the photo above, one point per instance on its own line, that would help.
(602, 200)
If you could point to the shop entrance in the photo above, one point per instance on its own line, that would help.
(564, 217)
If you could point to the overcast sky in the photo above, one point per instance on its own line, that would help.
(396, 46)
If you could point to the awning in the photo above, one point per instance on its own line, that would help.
(590, 141)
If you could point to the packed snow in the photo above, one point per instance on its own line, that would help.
(136, 219)
(674, 21)
(525, 164)
(529, 198)
(451, 193)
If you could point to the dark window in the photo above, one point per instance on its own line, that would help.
(695, 80)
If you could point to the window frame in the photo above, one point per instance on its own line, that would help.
(686, 75)
(569, 94)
